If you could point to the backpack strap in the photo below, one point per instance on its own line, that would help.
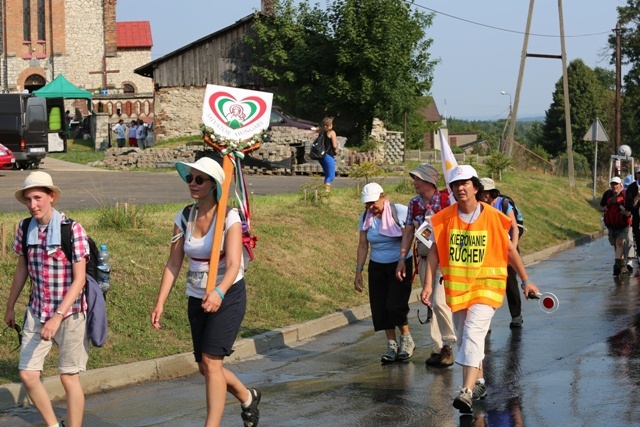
(65, 238)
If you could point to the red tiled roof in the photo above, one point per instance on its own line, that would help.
(133, 34)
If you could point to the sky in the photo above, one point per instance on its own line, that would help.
(478, 43)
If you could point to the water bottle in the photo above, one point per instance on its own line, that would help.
(104, 268)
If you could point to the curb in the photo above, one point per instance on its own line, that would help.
(166, 368)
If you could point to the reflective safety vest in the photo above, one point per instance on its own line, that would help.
(473, 257)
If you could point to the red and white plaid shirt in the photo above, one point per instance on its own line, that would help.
(51, 273)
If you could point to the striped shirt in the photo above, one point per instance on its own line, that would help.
(51, 273)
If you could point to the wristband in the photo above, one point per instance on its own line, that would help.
(60, 313)
(359, 268)
(525, 283)
(219, 293)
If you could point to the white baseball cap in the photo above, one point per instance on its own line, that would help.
(615, 179)
(371, 192)
(462, 173)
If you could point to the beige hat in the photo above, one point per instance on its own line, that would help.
(425, 172)
(371, 192)
(38, 179)
(488, 184)
(205, 165)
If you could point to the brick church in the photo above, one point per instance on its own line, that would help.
(82, 40)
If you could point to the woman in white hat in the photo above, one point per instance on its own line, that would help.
(57, 306)
(215, 317)
(381, 229)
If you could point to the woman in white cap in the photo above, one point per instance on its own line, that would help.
(472, 246)
(57, 307)
(381, 229)
(215, 317)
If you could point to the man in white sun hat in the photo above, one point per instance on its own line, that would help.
(471, 244)
(56, 313)
(617, 222)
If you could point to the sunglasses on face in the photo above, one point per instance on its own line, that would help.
(18, 330)
(199, 179)
(429, 316)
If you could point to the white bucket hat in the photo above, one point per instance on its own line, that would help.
(38, 179)
(205, 165)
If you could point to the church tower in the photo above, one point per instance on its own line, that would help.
(80, 39)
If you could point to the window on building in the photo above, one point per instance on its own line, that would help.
(128, 88)
(26, 20)
(41, 21)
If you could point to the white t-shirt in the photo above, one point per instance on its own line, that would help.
(200, 249)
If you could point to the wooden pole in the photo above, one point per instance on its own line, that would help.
(218, 230)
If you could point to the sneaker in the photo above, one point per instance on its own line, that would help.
(630, 266)
(516, 322)
(251, 414)
(434, 359)
(479, 391)
(406, 348)
(446, 356)
(392, 353)
(463, 402)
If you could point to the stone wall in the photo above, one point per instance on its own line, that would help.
(178, 111)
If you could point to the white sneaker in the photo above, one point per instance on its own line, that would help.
(406, 347)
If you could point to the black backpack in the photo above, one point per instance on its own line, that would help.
(67, 244)
(319, 147)
(506, 201)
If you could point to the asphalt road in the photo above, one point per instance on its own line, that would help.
(575, 367)
(87, 187)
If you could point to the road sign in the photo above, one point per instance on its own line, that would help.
(596, 132)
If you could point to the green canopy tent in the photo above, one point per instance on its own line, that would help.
(60, 87)
(56, 92)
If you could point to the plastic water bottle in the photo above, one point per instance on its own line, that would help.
(104, 268)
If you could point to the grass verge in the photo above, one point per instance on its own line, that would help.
(303, 269)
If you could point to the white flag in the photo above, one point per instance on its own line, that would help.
(449, 162)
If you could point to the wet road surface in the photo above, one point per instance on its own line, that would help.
(579, 366)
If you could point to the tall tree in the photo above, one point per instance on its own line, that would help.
(629, 19)
(358, 59)
(588, 102)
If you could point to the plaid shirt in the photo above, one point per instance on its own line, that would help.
(418, 210)
(51, 273)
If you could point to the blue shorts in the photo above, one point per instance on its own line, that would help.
(215, 333)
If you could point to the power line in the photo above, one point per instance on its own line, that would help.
(499, 28)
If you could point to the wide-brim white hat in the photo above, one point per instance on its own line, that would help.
(205, 165)
(38, 179)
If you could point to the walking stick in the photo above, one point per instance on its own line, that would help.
(221, 210)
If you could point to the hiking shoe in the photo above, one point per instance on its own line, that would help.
(446, 356)
(392, 353)
(406, 348)
(479, 391)
(251, 414)
(463, 402)
(434, 359)
(516, 322)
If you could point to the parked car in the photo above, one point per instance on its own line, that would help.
(279, 117)
(7, 159)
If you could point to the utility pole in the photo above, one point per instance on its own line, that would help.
(567, 111)
(618, 125)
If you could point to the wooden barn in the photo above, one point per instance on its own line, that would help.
(180, 77)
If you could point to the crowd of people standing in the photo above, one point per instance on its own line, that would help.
(137, 132)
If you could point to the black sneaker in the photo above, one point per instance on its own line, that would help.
(251, 414)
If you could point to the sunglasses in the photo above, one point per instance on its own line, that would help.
(429, 316)
(18, 330)
(199, 179)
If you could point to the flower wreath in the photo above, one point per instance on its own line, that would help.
(228, 146)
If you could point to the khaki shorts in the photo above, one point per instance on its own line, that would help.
(71, 340)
